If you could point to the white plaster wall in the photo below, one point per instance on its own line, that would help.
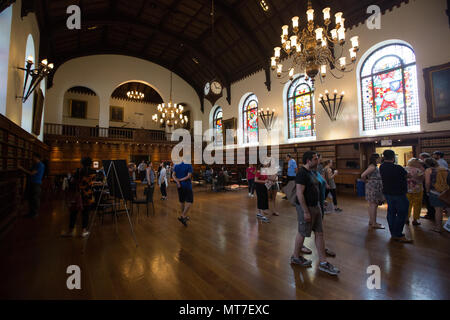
(20, 29)
(421, 23)
(103, 73)
(131, 119)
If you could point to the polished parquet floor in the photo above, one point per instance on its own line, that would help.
(224, 253)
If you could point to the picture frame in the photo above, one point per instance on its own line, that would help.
(37, 112)
(116, 113)
(229, 124)
(78, 109)
(437, 92)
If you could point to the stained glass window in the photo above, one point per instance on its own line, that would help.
(301, 113)
(218, 125)
(250, 119)
(389, 89)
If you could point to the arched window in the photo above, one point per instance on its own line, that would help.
(218, 125)
(27, 106)
(250, 119)
(389, 97)
(301, 111)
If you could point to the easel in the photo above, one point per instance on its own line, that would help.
(114, 205)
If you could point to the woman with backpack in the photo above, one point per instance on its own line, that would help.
(436, 184)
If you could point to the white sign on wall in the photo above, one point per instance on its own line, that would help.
(386, 143)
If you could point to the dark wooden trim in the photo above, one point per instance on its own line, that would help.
(429, 95)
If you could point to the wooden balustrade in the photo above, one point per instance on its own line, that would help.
(122, 134)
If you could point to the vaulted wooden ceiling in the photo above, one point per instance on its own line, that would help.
(177, 34)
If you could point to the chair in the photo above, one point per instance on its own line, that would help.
(148, 192)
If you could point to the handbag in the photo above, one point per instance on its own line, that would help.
(445, 197)
(291, 192)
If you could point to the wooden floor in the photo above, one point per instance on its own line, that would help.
(224, 253)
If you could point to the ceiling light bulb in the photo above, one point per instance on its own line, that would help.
(295, 22)
(326, 13)
(294, 41)
(319, 32)
(338, 17)
(285, 30)
(310, 15)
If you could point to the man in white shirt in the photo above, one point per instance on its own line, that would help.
(141, 168)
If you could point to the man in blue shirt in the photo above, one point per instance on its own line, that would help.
(36, 174)
(182, 175)
(292, 169)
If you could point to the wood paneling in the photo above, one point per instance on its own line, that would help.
(16, 147)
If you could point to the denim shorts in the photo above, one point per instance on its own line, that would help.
(434, 200)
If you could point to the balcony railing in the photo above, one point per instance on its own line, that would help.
(123, 134)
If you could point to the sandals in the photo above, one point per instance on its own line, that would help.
(305, 250)
(376, 226)
(329, 253)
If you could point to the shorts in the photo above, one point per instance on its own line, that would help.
(185, 195)
(435, 201)
(305, 228)
(275, 187)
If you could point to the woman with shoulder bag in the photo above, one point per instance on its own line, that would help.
(435, 185)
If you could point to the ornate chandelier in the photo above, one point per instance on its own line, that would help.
(135, 95)
(311, 48)
(171, 113)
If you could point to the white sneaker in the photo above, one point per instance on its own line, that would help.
(249, 194)
(85, 234)
(447, 227)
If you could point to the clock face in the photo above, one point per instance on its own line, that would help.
(216, 87)
(207, 87)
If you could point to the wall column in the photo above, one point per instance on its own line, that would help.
(103, 116)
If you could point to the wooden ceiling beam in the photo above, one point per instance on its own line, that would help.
(102, 20)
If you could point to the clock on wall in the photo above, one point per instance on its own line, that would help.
(213, 91)
(207, 88)
(216, 87)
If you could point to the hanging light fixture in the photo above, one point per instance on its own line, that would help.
(135, 95)
(171, 113)
(37, 75)
(309, 48)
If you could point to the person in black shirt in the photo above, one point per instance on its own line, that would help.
(309, 214)
(395, 188)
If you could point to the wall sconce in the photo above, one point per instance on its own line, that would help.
(332, 105)
(37, 74)
(267, 118)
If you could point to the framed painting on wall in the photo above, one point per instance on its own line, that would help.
(229, 124)
(78, 109)
(437, 92)
(116, 113)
